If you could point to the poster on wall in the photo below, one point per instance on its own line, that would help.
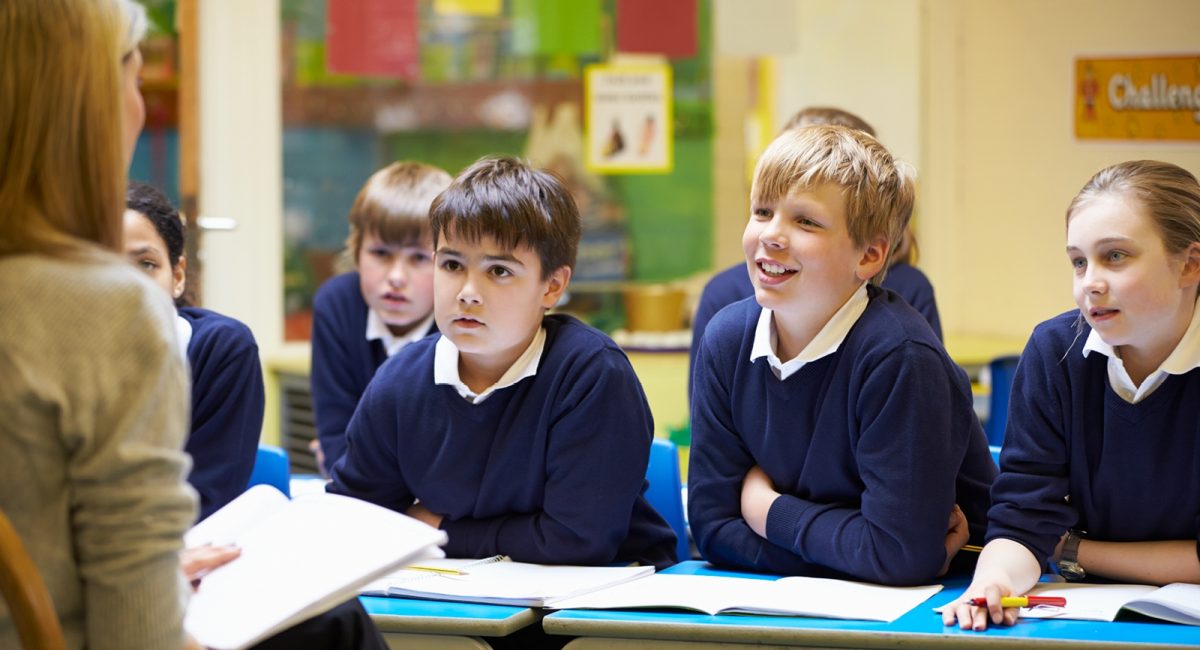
(628, 124)
(1138, 98)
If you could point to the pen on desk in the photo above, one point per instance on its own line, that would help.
(972, 548)
(1023, 601)
(436, 569)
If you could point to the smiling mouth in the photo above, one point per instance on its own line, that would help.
(773, 270)
(395, 297)
(467, 321)
(1101, 312)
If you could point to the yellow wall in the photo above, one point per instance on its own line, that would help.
(1000, 160)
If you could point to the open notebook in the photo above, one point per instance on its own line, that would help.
(498, 581)
(299, 558)
(797, 596)
(1177, 603)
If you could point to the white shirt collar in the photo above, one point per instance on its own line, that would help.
(825, 343)
(1184, 358)
(445, 367)
(378, 330)
(183, 332)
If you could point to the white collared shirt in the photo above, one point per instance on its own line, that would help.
(183, 332)
(378, 330)
(825, 343)
(445, 367)
(1184, 358)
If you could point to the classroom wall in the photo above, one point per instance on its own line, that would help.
(1000, 161)
(241, 164)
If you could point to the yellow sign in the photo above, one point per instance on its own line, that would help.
(1138, 98)
(628, 127)
(467, 7)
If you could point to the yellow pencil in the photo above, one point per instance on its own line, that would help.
(435, 569)
(971, 548)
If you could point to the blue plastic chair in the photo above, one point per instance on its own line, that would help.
(663, 474)
(271, 468)
(995, 449)
(1002, 370)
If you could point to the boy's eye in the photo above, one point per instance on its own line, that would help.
(450, 265)
(380, 252)
(762, 213)
(500, 272)
(420, 258)
(807, 223)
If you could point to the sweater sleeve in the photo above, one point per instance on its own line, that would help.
(335, 391)
(369, 469)
(717, 466)
(599, 444)
(1029, 503)
(130, 505)
(910, 447)
(227, 415)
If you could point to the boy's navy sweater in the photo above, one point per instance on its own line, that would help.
(870, 446)
(548, 470)
(733, 284)
(1076, 455)
(227, 406)
(343, 360)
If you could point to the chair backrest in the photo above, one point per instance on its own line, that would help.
(271, 467)
(1002, 370)
(995, 449)
(25, 592)
(663, 474)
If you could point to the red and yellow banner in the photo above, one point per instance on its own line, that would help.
(1138, 98)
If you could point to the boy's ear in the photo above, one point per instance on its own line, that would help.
(179, 277)
(874, 258)
(1190, 273)
(556, 285)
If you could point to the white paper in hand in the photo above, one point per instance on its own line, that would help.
(299, 558)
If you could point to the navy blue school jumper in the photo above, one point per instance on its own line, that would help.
(733, 284)
(343, 360)
(227, 406)
(1076, 455)
(870, 446)
(548, 470)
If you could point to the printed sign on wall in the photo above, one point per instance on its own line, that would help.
(628, 122)
(1138, 98)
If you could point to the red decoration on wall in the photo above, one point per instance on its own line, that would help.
(373, 37)
(657, 27)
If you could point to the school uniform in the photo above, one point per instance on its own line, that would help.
(545, 466)
(227, 404)
(869, 434)
(349, 343)
(733, 284)
(1085, 449)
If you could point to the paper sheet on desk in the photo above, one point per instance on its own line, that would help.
(795, 596)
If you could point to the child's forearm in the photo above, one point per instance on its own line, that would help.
(1156, 563)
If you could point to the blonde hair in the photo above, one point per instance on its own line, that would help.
(62, 169)
(1168, 193)
(878, 189)
(394, 205)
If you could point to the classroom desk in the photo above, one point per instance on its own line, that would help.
(431, 624)
(920, 628)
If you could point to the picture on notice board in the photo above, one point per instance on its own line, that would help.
(628, 120)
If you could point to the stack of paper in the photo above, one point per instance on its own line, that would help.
(502, 583)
